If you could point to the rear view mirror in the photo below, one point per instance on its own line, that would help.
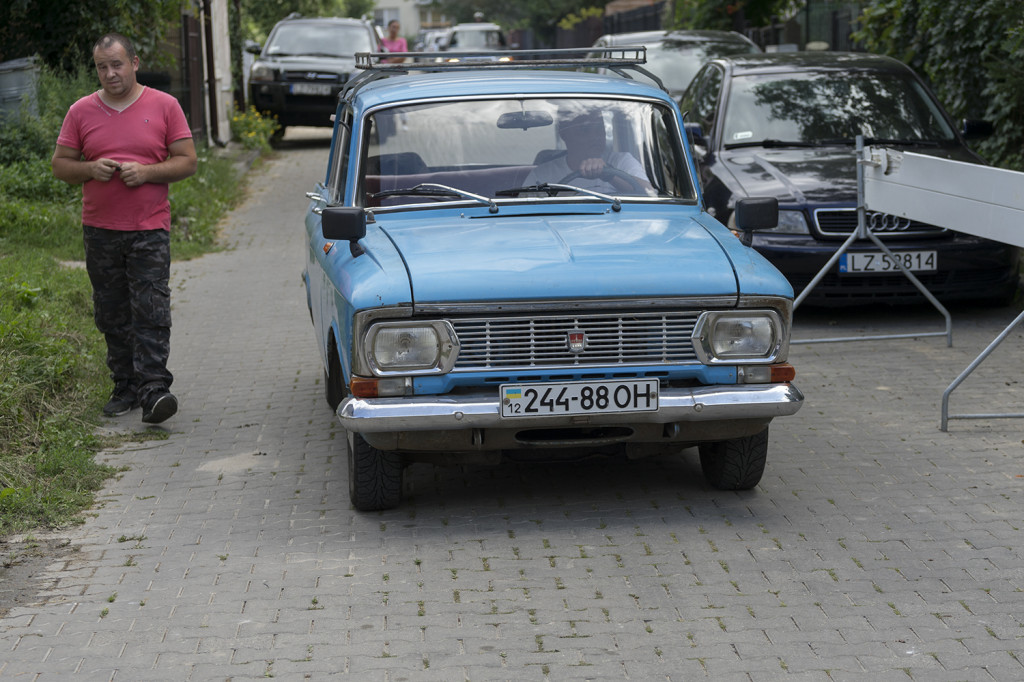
(973, 129)
(757, 213)
(524, 119)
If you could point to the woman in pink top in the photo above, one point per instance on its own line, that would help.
(394, 42)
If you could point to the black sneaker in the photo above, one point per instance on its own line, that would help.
(160, 407)
(122, 401)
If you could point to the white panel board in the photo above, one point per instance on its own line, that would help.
(978, 200)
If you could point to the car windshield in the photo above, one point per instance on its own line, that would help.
(515, 148)
(463, 39)
(676, 62)
(814, 108)
(331, 40)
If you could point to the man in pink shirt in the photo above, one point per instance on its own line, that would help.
(125, 144)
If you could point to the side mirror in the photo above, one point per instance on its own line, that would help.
(972, 128)
(344, 223)
(756, 213)
(252, 47)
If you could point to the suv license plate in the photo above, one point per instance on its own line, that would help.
(877, 261)
(311, 89)
(578, 397)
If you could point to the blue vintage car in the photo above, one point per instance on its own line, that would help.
(504, 259)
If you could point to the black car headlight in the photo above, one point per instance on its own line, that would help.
(261, 73)
(740, 336)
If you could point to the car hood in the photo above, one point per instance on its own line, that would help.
(506, 257)
(808, 176)
(309, 63)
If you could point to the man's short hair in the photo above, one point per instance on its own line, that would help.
(109, 39)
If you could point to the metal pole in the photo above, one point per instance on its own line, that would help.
(862, 232)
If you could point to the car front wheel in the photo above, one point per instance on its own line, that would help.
(374, 476)
(735, 464)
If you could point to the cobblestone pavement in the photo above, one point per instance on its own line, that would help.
(876, 546)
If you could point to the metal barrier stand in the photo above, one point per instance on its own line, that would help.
(946, 416)
(863, 232)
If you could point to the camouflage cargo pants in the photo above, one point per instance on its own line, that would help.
(131, 297)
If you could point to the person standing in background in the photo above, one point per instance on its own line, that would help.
(394, 42)
(125, 144)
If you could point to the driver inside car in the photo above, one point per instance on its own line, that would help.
(586, 162)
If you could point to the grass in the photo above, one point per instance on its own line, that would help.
(53, 377)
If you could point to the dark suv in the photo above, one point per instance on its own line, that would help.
(304, 64)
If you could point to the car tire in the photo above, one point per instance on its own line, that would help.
(334, 380)
(374, 476)
(735, 464)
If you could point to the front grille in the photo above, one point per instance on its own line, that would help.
(506, 343)
(314, 77)
(841, 222)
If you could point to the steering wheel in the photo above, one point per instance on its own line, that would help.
(606, 174)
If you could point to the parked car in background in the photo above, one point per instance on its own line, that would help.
(479, 36)
(475, 291)
(785, 125)
(676, 56)
(303, 66)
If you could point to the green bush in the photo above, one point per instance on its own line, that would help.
(252, 129)
(971, 53)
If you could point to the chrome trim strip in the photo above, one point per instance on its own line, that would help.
(483, 410)
(496, 307)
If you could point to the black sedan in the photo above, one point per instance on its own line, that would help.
(676, 56)
(785, 125)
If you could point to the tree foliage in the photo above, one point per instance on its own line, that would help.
(972, 54)
(62, 32)
(257, 17)
(542, 16)
(728, 15)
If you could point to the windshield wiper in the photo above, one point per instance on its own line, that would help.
(902, 142)
(883, 140)
(770, 142)
(432, 189)
(553, 188)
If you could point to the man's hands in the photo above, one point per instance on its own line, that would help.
(591, 168)
(103, 169)
(132, 173)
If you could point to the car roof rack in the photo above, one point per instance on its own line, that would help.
(620, 59)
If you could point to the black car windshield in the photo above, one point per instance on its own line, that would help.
(322, 39)
(676, 62)
(518, 148)
(829, 108)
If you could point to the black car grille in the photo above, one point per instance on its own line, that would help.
(506, 343)
(841, 222)
(314, 77)
(836, 289)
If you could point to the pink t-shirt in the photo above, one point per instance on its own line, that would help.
(396, 45)
(142, 133)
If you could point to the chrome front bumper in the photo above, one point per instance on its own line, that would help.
(483, 410)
